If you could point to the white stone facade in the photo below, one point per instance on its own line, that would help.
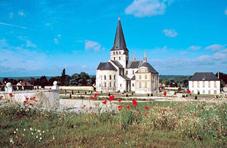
(204, 87)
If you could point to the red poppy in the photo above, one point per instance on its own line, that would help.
(10, 94)
(111, 97)
(165, 93)
(104, 102)
(128, 107)
(134, 102)
(119, 100)
(146, 108)
(119, 107)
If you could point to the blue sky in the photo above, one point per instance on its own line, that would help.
(40, 37)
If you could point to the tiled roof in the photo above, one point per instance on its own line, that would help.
(204, 76)
(117, 64)
(119, 41)
(134, 64)
(106, 66)
(150, 68)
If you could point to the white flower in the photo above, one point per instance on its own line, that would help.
(32, 133)
(11, 140)
(38, 131)
(43, 131)
(31, 129)
(24, 129)
(40, 138)
(16, 129)
(14, 132)
(37, 137)
(53, 138)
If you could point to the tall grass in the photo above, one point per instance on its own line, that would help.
(163, 124)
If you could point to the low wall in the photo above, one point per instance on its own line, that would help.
(86, 88)
(47, 99)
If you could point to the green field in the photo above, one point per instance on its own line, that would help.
(160, 124)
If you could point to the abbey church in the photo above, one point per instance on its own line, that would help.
(121, 75)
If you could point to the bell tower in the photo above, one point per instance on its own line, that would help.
(119, 51)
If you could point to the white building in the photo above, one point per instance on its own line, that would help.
(204, 83)
(121, 75)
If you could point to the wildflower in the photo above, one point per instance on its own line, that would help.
(111, 97)
(53, 137)
(10, 94)
(146, 108)
(104, 102)
(31, 129)
(40, 138)
(120, 107)
(128, 107)
(16, 129)
(134, 102)
(24, 129)
(11, 140)
(38, 131)
(14, 132)
(37, 137)
(119, 100)
(43, 132)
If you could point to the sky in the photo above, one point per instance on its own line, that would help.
(179, 37)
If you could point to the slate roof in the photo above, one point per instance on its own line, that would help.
(150, 68)
(106, 66)
(117, 64)
(134, 64)
(125, 77)
(119, 41)
(204, 76)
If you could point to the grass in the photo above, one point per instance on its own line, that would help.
(164, 124)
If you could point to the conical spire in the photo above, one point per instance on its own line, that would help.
(119, 41)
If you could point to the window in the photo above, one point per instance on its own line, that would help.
(110, 84)
(139, 76)
(114, 77)
(208, 91)
(113, 53)
(104, 84)
(114, 84)
(209, 84)
(114, 58)
(197, 83)
(145, 76)
(110, 77)
(132, 84)
(203, 91)
(145, 85)
(192, 83)
(203, 83)
(119, 58)
(101, 77)
(215, 91)
(215, 84)
(104, 77)
(126, 72)
(120, 85)
(139, 84)
(132, 71)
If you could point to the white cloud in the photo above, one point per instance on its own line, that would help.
(18, 58)
(57, 39)
(194, 48)
(13, 25)
(30, 44)
(93, 45)
(21, 13)
(215, 47)
(170, 33)
(143, 8)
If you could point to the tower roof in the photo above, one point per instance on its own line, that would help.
(119, 41)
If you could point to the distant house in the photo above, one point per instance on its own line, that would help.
(204, 83)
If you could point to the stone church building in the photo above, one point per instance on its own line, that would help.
(121, 75)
